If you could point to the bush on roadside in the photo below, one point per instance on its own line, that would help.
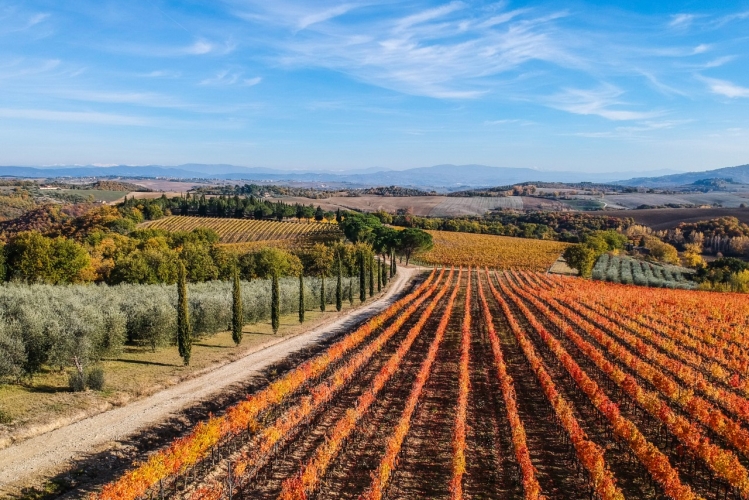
(95, 379)
(76, 381)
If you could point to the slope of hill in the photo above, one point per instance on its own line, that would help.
(738, 174)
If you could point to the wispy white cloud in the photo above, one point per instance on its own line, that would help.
(639, 131)
(224, 77)
(738, 16)
(681, 20)
(718, 61)
(701, 49)
(251, 82)
(603, 102)
(512, 121)
(662, 87)
(443, 52)
(200, 47)
(428, 15)
(324, 15)
(37, 18)
(161, 74)
(73, 116)
(21, 68)
(141, 99)
(725, 88)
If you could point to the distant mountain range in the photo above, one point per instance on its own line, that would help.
(439, 177)
(739, 175)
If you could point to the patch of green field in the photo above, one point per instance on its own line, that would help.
(585, 205)
(98, 194)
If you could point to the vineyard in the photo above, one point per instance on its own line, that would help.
(482, 384)
(456, 249)
(245, 230)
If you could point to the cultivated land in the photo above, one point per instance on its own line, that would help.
(97, 446)
(634, 200)
(451, 248)
(669, 218)
(245, 230)
(434, 206)
(492, 385)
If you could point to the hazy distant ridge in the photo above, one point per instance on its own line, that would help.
(443, 177)
(738, 174)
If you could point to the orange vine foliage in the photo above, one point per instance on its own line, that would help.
(481, 250)
(186, 451)
(307, 480)
(650, 456)
(464, 382)
(244, 230)
(388, 463)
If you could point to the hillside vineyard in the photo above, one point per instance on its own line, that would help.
(243, 230)
(485, 384)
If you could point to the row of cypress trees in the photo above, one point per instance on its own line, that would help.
(184, 330)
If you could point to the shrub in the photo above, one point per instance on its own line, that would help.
(95, 378)
(76, 381)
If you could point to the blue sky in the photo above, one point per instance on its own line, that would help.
(625, 86)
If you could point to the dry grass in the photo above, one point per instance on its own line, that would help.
(503, 252)
(45, 403)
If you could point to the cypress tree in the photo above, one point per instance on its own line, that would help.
(379, 275)
(371, 275)
(395, 266)
(362, 278)
(339, 288)
(301, 297)
(351, 290)
(184, 337)
(322, 292)
(384, 274)
(275, 304)
(392, 263)
(237, 315)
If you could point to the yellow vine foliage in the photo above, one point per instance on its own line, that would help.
(244, 230)
(486, 250)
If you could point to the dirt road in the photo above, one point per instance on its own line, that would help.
(47, 454)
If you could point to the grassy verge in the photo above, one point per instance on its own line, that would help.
(45, 402)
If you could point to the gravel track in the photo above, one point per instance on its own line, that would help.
(49, 453)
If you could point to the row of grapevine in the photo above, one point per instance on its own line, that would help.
(243, 230)
(481, 250)
(389, 460)
(590, 454)
(717, 357)
(605, 388)
(308, 478)
(459, 439)
(318, 396)
(187, 451)
(649, 455)
(689, 377)
(722, 462)
(530, 481)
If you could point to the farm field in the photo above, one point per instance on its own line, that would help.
(433, 206)
(244, 230)
(505, 252)
(669, 218)
(98, 194)
(484, 384)
(634, 200)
